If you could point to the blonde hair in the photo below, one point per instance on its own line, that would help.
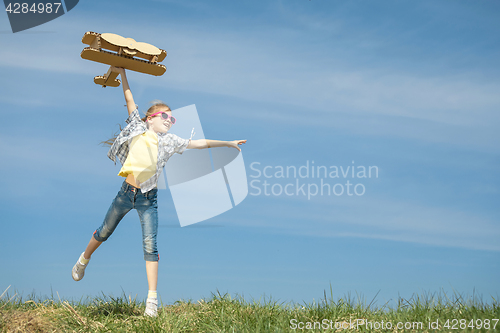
(157, 104)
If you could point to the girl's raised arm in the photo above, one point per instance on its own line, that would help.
(126, 90)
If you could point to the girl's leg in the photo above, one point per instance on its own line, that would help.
(120, 206)
(152, 272)
(91, 247)
(147, 208)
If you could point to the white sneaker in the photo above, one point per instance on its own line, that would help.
(78, 270)
(151, 307)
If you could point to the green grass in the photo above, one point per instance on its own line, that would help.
(223, 313)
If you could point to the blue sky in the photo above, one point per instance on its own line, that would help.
(408, 87)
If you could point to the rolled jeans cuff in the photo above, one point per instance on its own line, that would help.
(151, 257)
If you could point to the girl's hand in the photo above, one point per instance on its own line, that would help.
(119, 70)
(235, 143)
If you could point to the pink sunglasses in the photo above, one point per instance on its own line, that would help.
(164, 115)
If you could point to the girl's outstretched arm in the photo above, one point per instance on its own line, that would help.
(203, 143)
(126, 90)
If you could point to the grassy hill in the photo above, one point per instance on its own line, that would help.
(223, 313)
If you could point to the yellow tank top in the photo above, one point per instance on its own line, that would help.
(142, 157)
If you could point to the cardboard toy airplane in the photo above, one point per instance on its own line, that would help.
(126, 52)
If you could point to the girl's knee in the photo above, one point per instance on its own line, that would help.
(101, 235)
(149, 244)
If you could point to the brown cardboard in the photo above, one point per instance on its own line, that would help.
(115, 50)
(108, 79)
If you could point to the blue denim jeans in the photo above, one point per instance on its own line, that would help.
(130, 197)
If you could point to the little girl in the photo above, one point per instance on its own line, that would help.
(143, 147)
